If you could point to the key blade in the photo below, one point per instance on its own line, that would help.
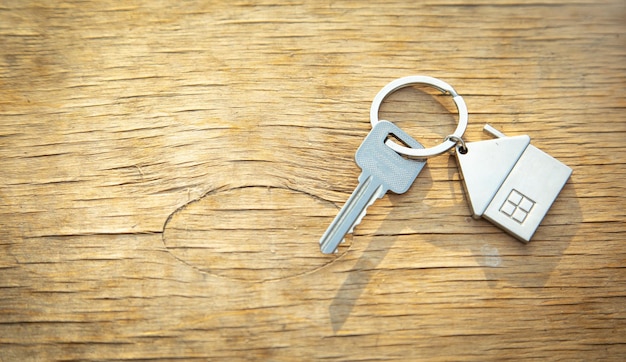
(367, 191)
(381, 193)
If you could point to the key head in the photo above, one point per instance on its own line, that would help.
(395, 172)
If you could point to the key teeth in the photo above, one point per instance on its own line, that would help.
(357, 222)
(365, 189)
(380, 193)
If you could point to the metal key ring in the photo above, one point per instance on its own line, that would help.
(436, 83)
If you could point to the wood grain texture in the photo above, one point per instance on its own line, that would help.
(168, 166)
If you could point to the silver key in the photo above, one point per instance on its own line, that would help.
(382, 170)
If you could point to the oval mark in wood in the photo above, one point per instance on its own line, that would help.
(252, 233)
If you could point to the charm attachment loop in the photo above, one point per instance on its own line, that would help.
(460, 144)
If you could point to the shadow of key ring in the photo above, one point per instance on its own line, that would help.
(433, 82)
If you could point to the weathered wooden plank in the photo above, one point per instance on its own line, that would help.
(167, 169)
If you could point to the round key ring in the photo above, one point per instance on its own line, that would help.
(450, 141)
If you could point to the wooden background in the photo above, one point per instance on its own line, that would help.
(167, 168)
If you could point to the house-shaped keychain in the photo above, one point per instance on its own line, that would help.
(510, 182)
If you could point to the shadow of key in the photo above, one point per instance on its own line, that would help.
(437, 115)
(359, 276)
